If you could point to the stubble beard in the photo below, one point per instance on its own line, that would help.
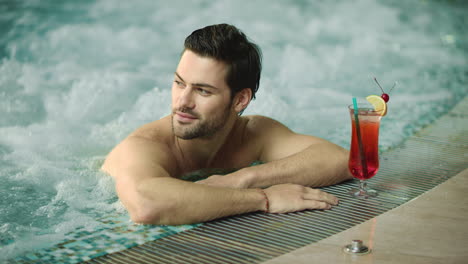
(202, 128)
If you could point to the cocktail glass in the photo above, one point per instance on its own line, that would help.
(364, 154)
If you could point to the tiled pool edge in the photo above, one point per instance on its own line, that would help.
(116, 234)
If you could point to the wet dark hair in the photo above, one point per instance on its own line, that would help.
(228, 44)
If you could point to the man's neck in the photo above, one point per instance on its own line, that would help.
(200, 153)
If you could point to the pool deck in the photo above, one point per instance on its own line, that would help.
(432, 228)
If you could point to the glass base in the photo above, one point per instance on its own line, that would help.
(362, 194)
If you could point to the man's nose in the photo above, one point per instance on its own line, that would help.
(186, 99)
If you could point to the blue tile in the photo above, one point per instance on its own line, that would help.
(115, 234)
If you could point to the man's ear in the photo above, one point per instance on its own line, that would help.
(242, 99)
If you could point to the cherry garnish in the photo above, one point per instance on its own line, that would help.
(384, 95)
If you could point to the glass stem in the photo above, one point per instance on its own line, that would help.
(362, 186)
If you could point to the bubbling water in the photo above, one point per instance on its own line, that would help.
(76, 77)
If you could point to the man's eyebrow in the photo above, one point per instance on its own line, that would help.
(205, 85)
(178, 76)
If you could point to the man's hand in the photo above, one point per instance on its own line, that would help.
(283, 198)
(287, 198)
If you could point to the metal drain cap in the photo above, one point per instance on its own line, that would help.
(356, 247)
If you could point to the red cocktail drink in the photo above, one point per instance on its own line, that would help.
(369, 128)
(364, 154)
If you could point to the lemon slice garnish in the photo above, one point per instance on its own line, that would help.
(378, 103)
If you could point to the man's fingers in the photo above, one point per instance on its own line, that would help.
(286, 198)
(314, 204)
(314, 194)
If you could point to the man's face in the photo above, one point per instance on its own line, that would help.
(201, 101)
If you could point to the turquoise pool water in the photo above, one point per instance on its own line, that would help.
(78, 76)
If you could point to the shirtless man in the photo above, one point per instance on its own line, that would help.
(215, 80)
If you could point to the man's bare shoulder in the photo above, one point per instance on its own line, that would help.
(261, 124)
(148, 147)
(276, 140)
(159, 130)
(259, 131)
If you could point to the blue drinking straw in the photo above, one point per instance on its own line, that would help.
(358, 131)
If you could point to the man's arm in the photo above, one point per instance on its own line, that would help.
(288, 158)
(142, 171)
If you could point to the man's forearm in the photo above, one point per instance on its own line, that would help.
(318, 165)
(172, 201)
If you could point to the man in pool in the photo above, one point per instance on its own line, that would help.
(215, 80)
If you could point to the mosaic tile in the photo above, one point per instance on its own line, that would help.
(117, 233)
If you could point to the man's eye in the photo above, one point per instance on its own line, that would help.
(179, 84)
(203, 91)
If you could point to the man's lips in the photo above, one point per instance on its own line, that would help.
(184, 117)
